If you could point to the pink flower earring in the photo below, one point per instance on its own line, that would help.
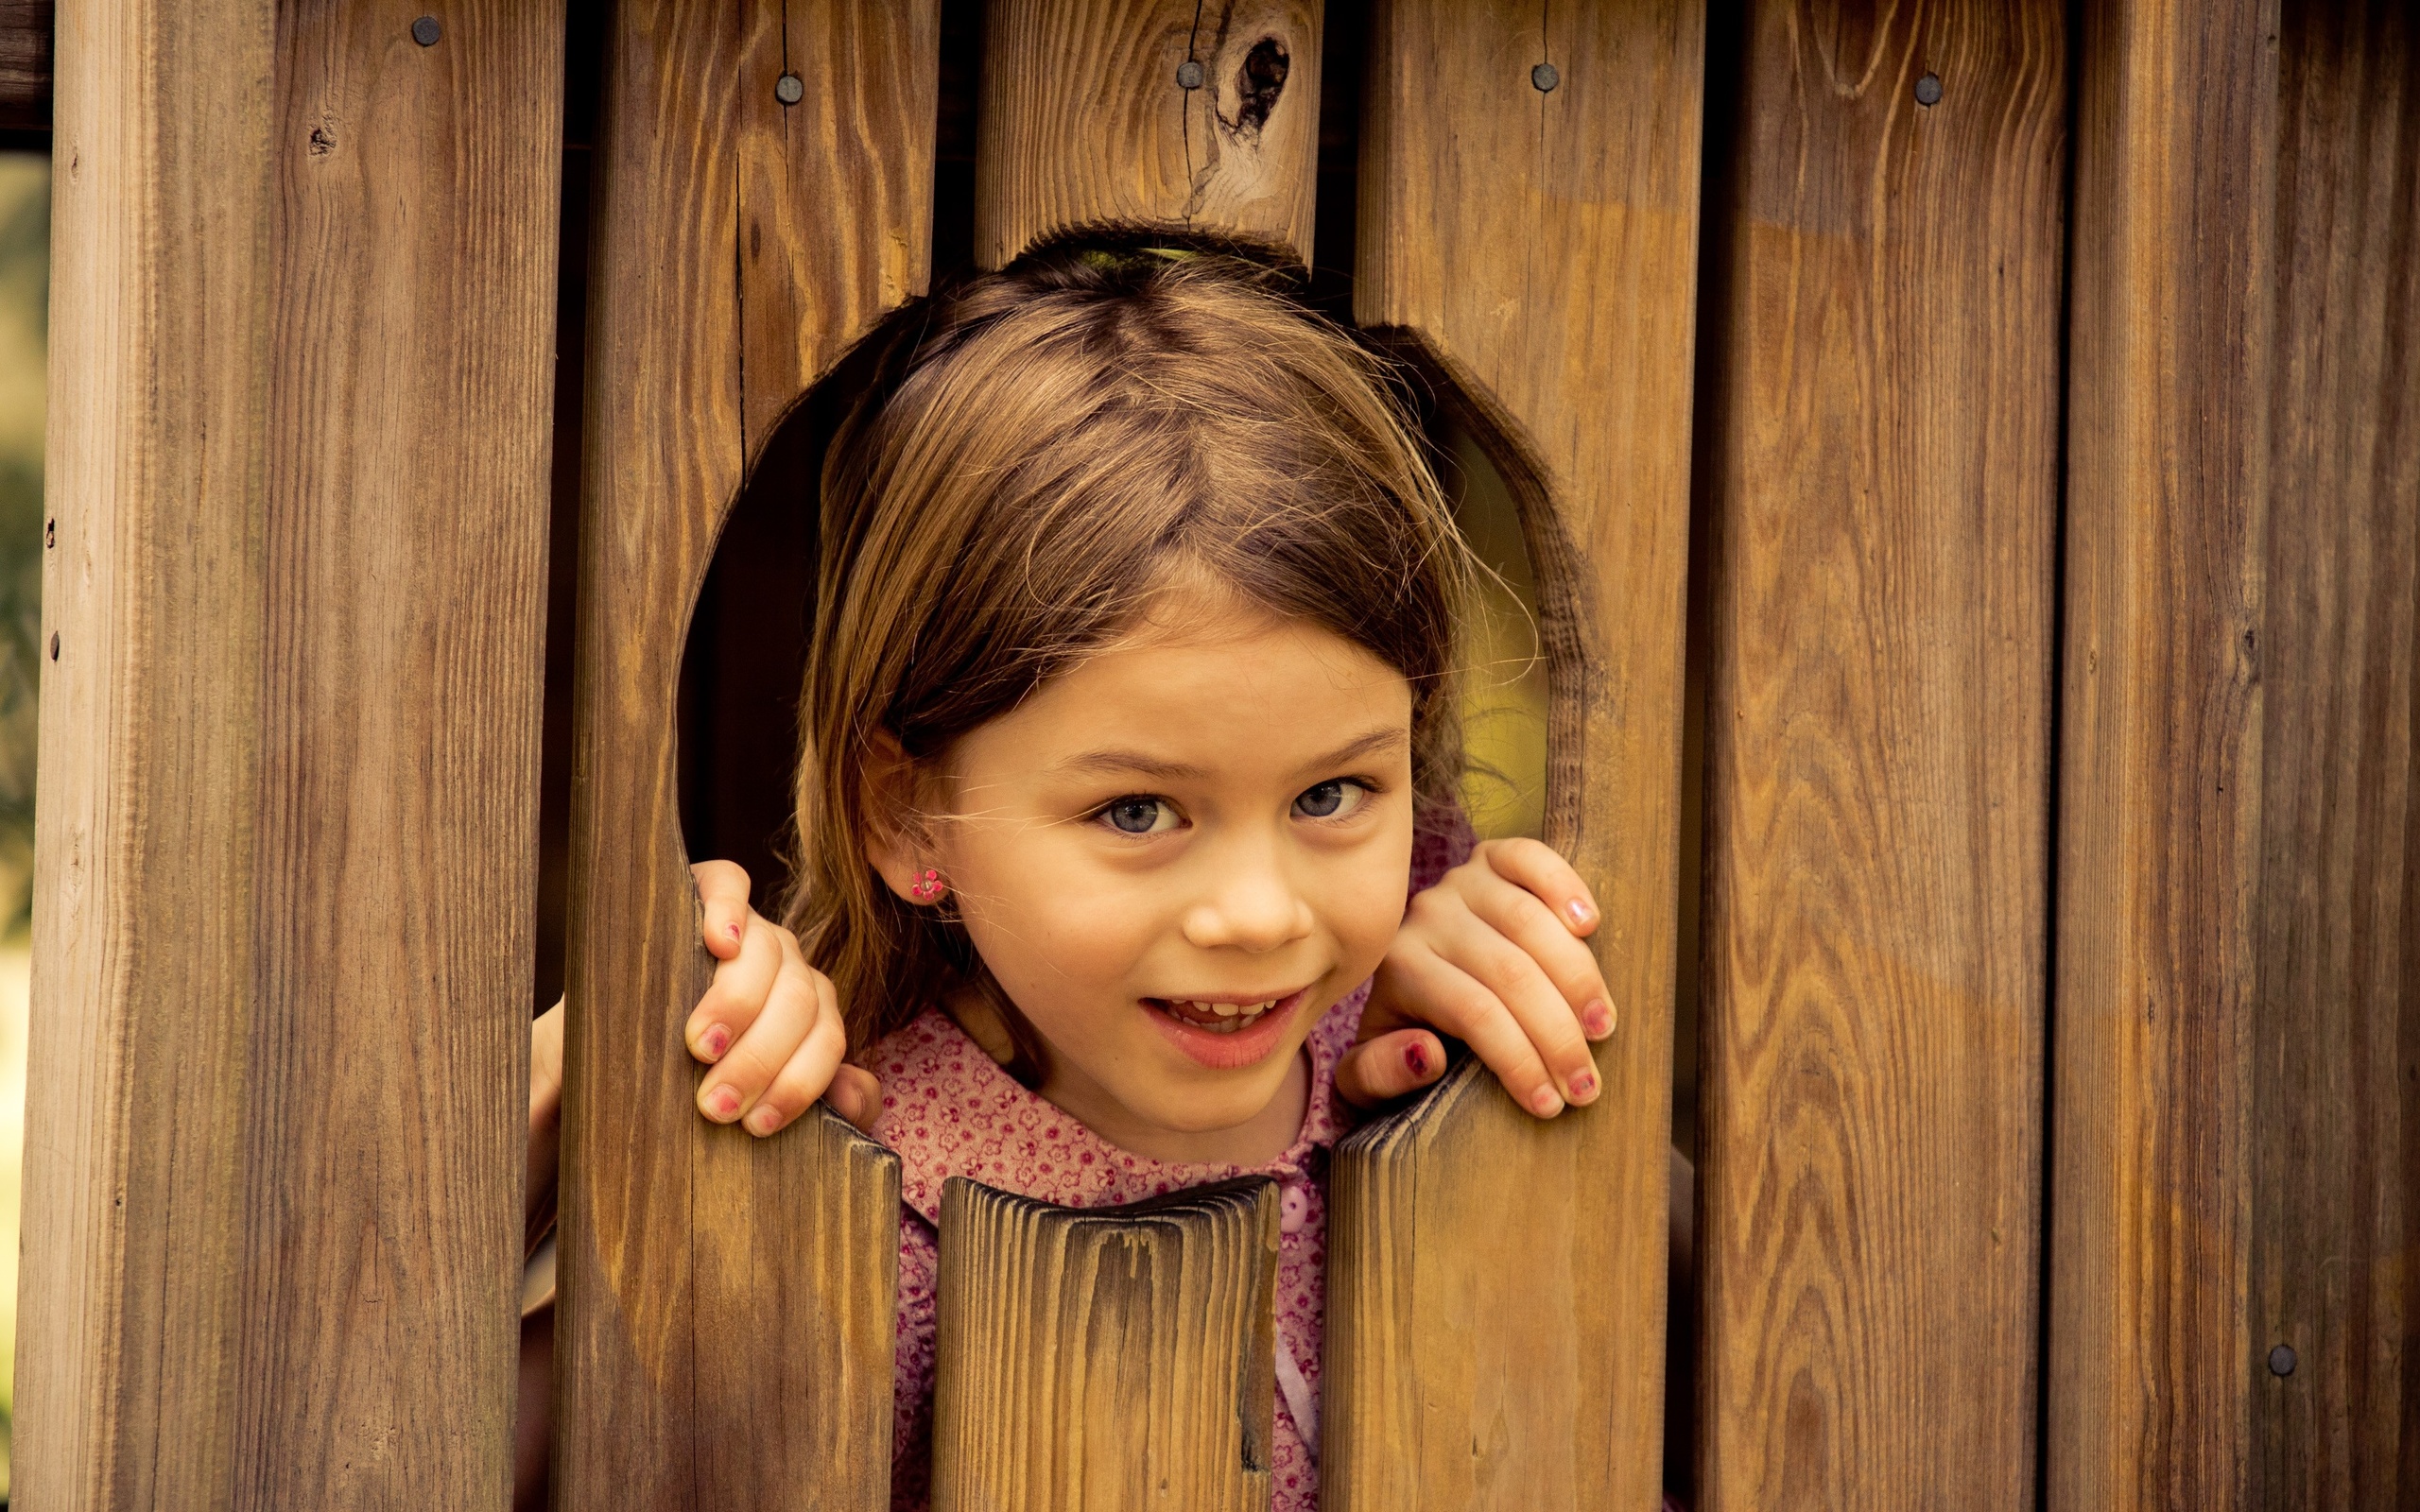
(928, 887)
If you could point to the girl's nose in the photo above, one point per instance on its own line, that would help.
(1255, 910)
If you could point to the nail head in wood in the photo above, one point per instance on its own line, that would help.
(1929, 90)
(2282, 1360)
(1188, 74)
(1544, 78)
(789, 89)
(54, 645)
(425, 31)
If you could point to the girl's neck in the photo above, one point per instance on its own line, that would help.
(1257, 1140)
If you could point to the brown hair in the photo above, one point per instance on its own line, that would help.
(1052, 444)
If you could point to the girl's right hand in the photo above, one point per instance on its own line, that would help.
(769, 1024)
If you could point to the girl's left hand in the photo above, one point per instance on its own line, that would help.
(1493, 955)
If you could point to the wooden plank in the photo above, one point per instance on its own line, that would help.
(1096, 1359)
(305, 311)
(1539, 250)
(152, 595)
(25, 62)
(727, 1305)
(1088, 121)
(2337, 1199)
(1883, 433)
(2174, 163)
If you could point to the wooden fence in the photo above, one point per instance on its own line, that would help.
(1970, 454)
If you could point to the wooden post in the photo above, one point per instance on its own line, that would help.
(2336, 1201)
(727, 1305)
(2150, 1354)
(1097, 1359)
(301, 344)
(1882, 443)
(1529, 228)
(1089, 120)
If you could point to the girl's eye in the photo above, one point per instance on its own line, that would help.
(1331, 799)
(1140, 815)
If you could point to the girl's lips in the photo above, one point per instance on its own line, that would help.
(1235, 1049)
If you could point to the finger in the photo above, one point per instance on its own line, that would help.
(1541, 869)
(856, 1094)
(547, 1066)
(793, 1008)
(1389, 1066)
(1460, 1004)
(737, 994)
(803, 1078)
(1517, 981)
(1524, 917)
(722, 889)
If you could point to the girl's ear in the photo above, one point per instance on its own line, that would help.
(890, 798)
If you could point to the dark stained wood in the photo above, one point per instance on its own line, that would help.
(25, 62)
(1883, 443)
(1085, 123)
(727, 1305)
(304, 314)
(2337, 1200)
(2150, 1359)
(1098, 1360)
(1495, 1309)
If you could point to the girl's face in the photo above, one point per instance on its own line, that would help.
(1176, 857)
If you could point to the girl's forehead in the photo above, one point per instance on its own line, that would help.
(1190, 689)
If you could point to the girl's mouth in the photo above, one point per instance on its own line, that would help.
(1226, 1035)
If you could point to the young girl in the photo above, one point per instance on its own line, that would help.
(1129, 730)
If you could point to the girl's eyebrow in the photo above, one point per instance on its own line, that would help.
(1389, 739)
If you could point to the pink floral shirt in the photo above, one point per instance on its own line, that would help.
(949, 1110)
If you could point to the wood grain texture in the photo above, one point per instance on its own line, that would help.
(1883, 443)
(138, 1057)
(1105, 1358)
(2174, 172)
(1496, 1298)
(2337, 1201)
(305, 312)
(727, 1305)
(26, 63)
(1086, 124)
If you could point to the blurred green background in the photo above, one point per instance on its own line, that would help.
(24, 305)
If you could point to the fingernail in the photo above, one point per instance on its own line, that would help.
(1598, 1020)
(1584, 1087)
(732, 930)
(763, 1121)
(722, 1102)
(1547, 1102)
(1415, 1056)
(715, 1042)
(1578, 910)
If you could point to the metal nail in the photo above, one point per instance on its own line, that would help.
(1929, 90)
(425, 31)
(789, 89)
(2281, 1359)
(1544, 78)
(1188, 74)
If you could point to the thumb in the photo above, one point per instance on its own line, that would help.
(1389, 1066)
(856, 1094)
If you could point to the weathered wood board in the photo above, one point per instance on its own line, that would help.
(1191, 115)
(1881, 432)
(1102, 1360)
(2168, 381)
(727, 1305)
(1496, 1288)
(288, 812)
(2336, 1201)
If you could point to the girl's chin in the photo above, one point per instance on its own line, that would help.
(1235, 1050)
